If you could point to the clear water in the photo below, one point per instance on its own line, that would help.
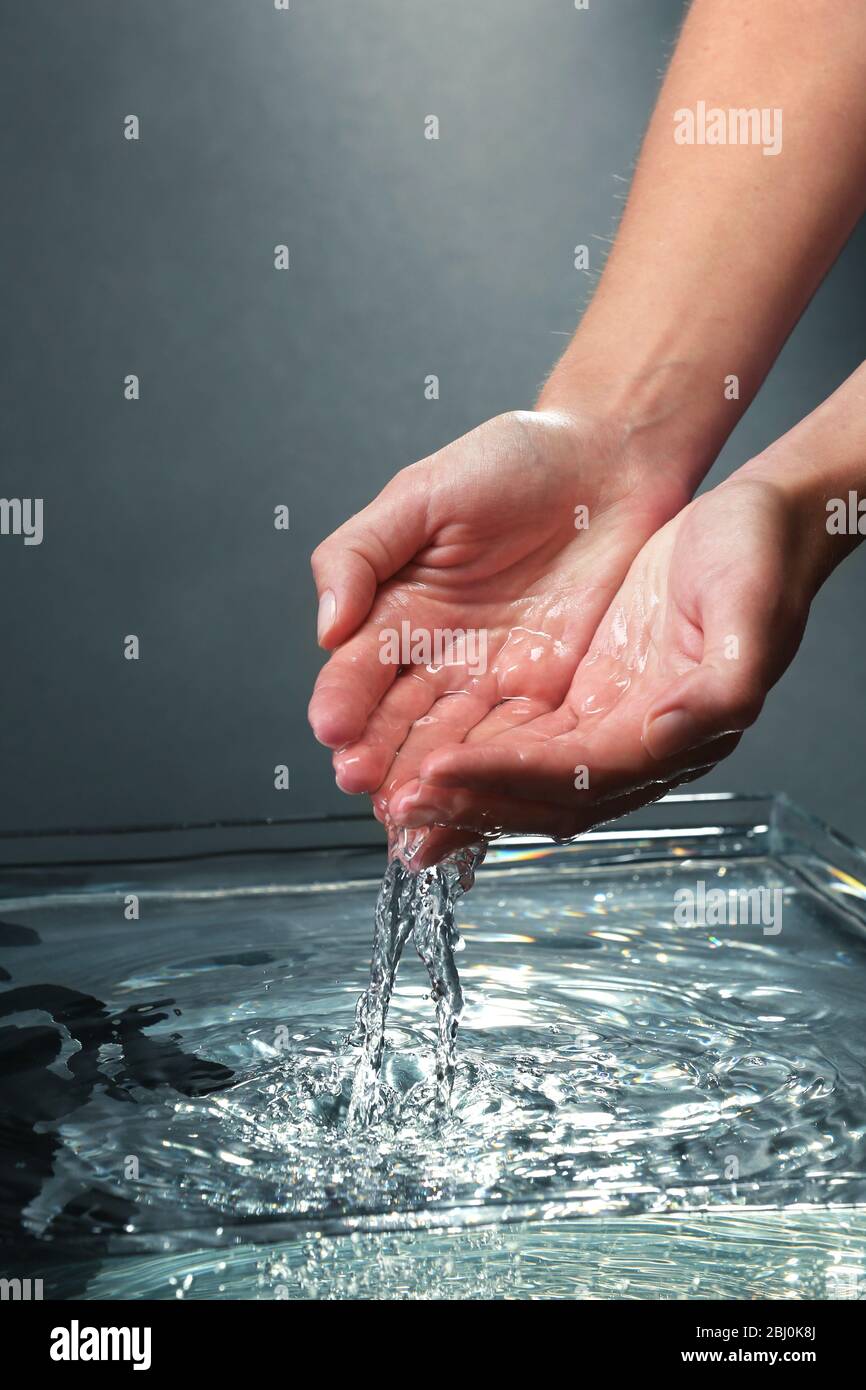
(420, 906)
(639, 1109)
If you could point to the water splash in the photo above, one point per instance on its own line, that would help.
(418, 903)
(612, 1065)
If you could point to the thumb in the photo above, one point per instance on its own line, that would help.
(361, 554)
(748, 643)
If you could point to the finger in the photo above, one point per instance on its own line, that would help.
(473, 813)
(527, 766)
(441, 843)
(562, 772)
(368, 549)
(362, 766)
(350, 685)
(448, 721)
(510, 713)
(462, 810)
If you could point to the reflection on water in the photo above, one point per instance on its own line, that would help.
(182, 1083)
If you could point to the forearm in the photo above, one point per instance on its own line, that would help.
(721, 245)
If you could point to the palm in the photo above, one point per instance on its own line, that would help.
(708, 584)
(500, 556)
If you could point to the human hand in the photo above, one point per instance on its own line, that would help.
(481, 537)
(710, 615)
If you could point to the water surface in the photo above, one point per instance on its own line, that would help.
(183, 1083)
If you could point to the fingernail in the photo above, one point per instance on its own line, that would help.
(327, 612)
(343, 774)
(671, 733)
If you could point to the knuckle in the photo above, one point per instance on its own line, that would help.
(319, 558)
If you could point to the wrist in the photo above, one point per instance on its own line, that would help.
(819, 467)
(664, 405)
(822, 508)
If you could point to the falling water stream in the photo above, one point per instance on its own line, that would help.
(417, 903)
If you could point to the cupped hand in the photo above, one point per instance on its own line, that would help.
(709, 616)
(519, 533)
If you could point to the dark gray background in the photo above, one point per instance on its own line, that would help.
(408, 257)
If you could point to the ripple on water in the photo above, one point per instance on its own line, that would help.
(609, 1061)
